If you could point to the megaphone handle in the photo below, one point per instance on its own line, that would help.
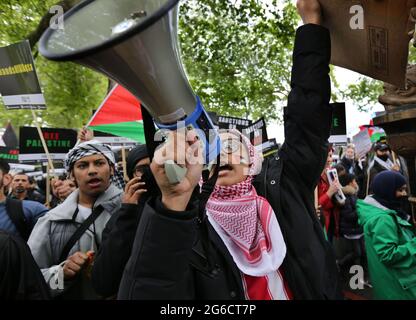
(174, 172)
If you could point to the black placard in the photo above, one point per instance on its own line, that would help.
(19, 85)
(257, 132)
(225, 122)
(10, 155)
(59, 142)
(339, 123)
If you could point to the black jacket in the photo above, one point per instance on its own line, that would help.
(168, 259)
(115, 249)
(348, 217)
(20, 277)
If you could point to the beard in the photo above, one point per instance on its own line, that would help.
(20, 190)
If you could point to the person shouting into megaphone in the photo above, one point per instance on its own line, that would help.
(260, 237)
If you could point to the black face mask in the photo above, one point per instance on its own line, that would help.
(384, 157)
(147, 177)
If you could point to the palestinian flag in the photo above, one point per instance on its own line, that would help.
(376, 134)
(120, 114)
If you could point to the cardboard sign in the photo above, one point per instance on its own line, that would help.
(370, 36)
(339, 124)
(10, 155)
(19, 85)
(362, 143)
(59, 142)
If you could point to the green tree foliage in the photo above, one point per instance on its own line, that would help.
(71, 91)
(238, 54)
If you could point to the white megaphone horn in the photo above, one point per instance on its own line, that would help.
(135, 42)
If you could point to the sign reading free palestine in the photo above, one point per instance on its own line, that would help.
(9, 154)
(59, 142)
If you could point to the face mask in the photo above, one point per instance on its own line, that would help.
(147, 177)
(384, 157)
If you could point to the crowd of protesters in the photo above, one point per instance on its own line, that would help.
(373, 228)
(248, 229)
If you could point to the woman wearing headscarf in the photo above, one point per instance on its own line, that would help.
(20, 277)
(258, 238)
(389, 237)
(246, 222)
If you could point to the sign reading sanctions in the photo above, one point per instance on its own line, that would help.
(58, 141)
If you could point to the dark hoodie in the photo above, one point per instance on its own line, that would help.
(384, 188)
(118, 235)
(20, 277)
(348, 217)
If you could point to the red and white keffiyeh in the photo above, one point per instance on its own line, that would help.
(249, 229)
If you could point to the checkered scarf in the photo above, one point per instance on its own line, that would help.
(86, 149)
(246, 222)
(90, 148)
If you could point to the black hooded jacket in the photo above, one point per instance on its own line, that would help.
(20, 277)
(169, 259)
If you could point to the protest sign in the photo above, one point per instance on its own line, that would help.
(19, 85)
(362, 143)
(225, 122)
(10, 155)
(339, 124)
(257, 133)
(59, 142)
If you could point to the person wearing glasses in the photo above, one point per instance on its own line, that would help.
(257, 237)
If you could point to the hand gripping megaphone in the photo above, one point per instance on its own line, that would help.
(135, 42)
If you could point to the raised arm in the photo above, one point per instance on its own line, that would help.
(308, 114)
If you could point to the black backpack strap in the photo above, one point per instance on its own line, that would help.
(14, 209)
(79, 232)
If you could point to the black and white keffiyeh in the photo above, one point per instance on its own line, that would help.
(90, 148)
(86, 149)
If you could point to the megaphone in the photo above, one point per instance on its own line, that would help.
(135, 42)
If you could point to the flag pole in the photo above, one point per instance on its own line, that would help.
(48, 187)
(45, 147)
(123, 157)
